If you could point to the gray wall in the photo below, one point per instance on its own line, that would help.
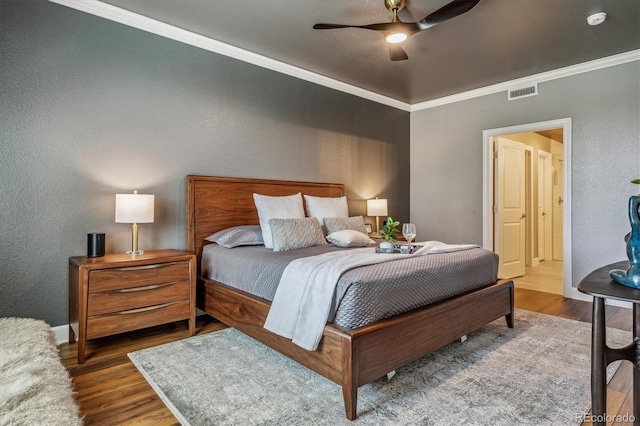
(90, 108)
(446, 160)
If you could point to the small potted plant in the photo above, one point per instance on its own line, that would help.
(388, 233)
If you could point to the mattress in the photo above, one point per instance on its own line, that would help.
(365, 294)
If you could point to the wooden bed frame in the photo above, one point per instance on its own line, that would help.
(348, 357)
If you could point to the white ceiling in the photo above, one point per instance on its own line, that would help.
(496, 41)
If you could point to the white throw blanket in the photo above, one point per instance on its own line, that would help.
(304, 298)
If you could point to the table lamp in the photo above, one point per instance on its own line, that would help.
(377, 208)
(134, 208)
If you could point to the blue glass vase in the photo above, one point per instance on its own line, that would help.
(631, 277)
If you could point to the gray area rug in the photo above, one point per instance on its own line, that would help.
(535, 374)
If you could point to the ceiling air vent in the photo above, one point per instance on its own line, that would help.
(523, 92)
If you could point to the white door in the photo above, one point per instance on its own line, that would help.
(509, 198)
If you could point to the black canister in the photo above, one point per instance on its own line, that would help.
(95, 245)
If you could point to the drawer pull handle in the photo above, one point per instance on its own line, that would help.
(144, 288)
(138, 268)
(148, 308)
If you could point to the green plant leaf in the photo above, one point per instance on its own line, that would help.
(636, 181)
(389, 230)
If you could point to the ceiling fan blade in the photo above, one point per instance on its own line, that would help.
(451, 10)
(397, 53)
(406, 27)
(332, 26)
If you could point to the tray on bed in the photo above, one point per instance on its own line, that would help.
(399, 249)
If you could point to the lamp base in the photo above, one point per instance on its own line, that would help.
(134, 241)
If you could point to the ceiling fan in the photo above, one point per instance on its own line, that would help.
(397, 31)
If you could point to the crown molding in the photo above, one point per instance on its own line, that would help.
(596, 64)
(131, 19)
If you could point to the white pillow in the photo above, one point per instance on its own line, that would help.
(269, 207)
(349, 238)
(321, 207)
(333, 224)
(293, 234)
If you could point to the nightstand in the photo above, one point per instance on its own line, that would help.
(120, 292)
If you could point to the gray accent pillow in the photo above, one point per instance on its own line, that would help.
(293, 234)
(333, 224)
(243, 235)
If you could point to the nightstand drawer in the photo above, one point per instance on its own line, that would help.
(137, 276)
(105, 325)
(136, 297)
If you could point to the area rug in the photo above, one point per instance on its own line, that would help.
(535, 374)
(35, 388)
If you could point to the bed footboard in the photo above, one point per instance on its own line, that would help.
(372, 351)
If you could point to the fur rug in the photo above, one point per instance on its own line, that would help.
(35, 388)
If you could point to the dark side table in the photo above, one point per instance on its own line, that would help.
(599, 285)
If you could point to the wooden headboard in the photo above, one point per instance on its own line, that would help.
(216, 203)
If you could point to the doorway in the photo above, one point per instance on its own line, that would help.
(526, 205)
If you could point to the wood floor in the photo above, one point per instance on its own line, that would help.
(111, 391)
(546, 276)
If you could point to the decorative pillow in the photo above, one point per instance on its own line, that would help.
(349, 238)
(293, 234)
(321, 207)
(244, 235)
(334, 224)
(269, 207)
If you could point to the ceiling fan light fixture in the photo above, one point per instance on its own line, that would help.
(396, 37)
(396, 31)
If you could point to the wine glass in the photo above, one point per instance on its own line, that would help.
(409, 232)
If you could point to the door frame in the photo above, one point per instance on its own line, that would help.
(487, 191)
(547, 203)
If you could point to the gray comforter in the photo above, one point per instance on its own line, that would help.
(364, 294)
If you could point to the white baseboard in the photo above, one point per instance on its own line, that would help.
(576, 294)
(61, 333)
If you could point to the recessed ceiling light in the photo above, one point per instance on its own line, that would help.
(596, 18)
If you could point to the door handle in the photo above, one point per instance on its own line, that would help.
(523, 216)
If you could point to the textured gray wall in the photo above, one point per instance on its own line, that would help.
(446, 160)
(89, 108)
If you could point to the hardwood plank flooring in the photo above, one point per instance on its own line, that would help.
(546, 276)
(111, 391)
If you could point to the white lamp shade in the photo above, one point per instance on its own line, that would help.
(134, 208)
(377, 207)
